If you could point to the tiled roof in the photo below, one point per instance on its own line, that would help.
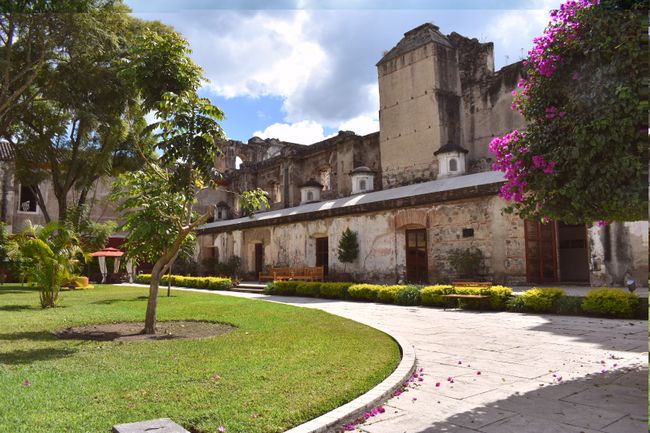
(357, 200)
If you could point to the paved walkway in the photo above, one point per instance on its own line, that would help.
(538, 373)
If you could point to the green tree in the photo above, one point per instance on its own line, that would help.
(158, 200)
(82, 116)
(583, 156)
(51, 254)
(348, 247)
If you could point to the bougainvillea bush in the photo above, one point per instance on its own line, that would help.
(583, 155)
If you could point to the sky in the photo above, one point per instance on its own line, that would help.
(302, 70)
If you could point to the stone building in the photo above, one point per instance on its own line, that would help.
(414, 191)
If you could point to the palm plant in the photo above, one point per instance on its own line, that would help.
(52, 254)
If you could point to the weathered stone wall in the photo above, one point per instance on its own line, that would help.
(618, 249)
(382, 245)
(419, 97)
(487, 113)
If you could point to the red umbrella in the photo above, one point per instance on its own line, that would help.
(108, 252)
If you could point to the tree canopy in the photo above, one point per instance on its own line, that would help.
(81, 112)
(583, 155)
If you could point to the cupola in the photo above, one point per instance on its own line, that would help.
(310, 191)
(451, 160)
(363, 180)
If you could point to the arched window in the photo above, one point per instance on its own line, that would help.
(362, 185)
(310, 196)
(453, 164)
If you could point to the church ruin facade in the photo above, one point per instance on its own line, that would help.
(413, 192)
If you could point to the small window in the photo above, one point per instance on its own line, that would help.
(220, 214)
(468, 233)
(310, 196)
(362, 185)
(453, 164)
(27, 200)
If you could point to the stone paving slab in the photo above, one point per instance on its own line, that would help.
(161, 425)
(526, 350)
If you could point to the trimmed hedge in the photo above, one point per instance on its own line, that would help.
(208, 283)
(611, 302)
(541, 300)
(601, 302)
(432, 295)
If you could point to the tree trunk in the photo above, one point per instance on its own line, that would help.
(152, 305)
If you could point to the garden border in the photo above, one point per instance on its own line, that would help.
(365, 402)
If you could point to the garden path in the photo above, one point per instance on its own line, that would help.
(538, 373)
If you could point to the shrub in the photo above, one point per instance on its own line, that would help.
(432, 295)
(388, 294)
(409, 295)
(365, 292)
(516, 304)
(283, 288)
(309, 289)
(143, 278)
(499, 296)
(209, 283)
(541, 300)
(334, 290)
(611, 302)
(568, 305)
(466, 262)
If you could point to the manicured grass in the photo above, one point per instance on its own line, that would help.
(281, 367)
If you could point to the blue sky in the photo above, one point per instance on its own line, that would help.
(301, 70)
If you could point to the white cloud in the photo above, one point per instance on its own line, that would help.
(361, 125)
(513, 30)
(303, 132)
(264, 54)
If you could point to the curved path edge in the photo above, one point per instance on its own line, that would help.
(365, 402)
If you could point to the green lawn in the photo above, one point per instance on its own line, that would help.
(281, 367)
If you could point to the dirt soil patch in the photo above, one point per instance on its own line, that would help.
(131, 331)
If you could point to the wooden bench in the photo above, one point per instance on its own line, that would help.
(478, 284)
(315, 273)
(455, 296)
(471, 284)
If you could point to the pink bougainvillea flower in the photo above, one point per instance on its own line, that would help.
(414, 399)
(221, 429)
(478, 373)
(614, 365)
(460, 362)
(449, 379)
(602, 223)
(349, 427)
(367, 415)
(437, 384)
(421, 370)
(421, 380)
(381, 409)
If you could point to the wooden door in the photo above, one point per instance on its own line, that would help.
(541, 250)
(259, 258)
(416, 256)
(322, 253)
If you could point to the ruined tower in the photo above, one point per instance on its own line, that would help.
(419, 105)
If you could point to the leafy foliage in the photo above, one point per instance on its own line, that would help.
(541, 300)
(348, 248)
(466, 262)
(611, 302)
(583, 155)
(51, 253)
